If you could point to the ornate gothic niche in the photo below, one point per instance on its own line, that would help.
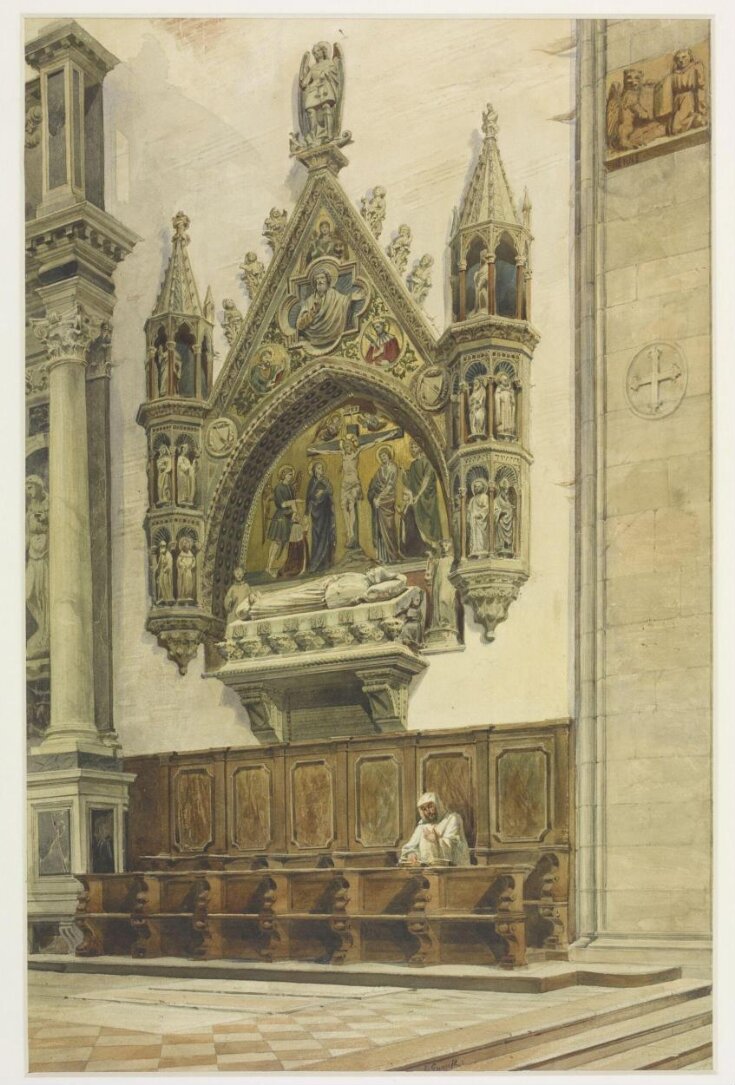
(334, 339)
(38, 696)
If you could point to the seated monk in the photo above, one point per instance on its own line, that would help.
(326, 593)
(438, 838)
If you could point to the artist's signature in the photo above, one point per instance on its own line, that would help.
(440, 1064)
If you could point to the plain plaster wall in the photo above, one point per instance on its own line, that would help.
(197, 118)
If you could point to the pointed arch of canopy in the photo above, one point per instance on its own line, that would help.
(300, 402)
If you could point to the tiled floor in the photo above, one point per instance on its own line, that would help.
(128, 1023)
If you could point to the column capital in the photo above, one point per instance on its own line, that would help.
(66, 335)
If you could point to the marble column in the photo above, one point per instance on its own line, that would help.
(72, 727)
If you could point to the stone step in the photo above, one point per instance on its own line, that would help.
(685, 1049)
(589, 1044)
(464, 1048)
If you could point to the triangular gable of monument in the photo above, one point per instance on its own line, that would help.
(325, 233)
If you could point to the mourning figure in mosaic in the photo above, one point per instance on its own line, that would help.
(320, 514)
(420, 520)
(438, 839)
(37, 590)
(279, 529)
(324, 313)
(325, 593)
(505, 406)
(164, 574)
(186, 475)
(321, 86)
(504, 514)
(382, 498)
(478, 520)
(186, 571)
(164, 475)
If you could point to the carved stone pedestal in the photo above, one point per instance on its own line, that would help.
(489, 591)
(76, 817)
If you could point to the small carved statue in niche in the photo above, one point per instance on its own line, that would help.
(164, 574)
(481, 285)
(399, 248)
(237, 593)
(505, 406)
(274, 227)
(186, 474)
(477, 403)
(504, 513)
(325, 242)
(321, 86)
(164, 476)
(231, 320)
(37, 590)
(161, 357)
(279, 529)
(186, 571)
(443, 594)
(252, 273)
(372, 209)
(478, 520)
(419, 279)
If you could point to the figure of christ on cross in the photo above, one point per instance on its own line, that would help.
(349, 447)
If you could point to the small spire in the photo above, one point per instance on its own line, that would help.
(209, 306)
(488, 197)
(178, 293)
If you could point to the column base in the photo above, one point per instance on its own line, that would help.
(76, 824)
(692, 952)
(78, 740)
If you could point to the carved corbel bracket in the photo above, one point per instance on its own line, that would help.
(266, 709)
(489, 592)
(181, 635)
(387, 695)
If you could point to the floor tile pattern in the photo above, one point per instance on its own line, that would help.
(87, 1023)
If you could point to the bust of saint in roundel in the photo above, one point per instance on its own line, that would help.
(327, 311)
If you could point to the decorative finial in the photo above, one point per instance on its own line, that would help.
(526, 209)
(274, 227)
(372, 209)
(252, 273)
(181, 224)
(490, 123)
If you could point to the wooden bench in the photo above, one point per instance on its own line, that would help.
(413, 915)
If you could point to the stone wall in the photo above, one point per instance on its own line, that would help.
(647, 740)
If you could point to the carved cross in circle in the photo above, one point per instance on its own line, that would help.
(658, 377)
(656, 380)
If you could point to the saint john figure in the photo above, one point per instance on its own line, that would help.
(320, 510)
(382, 498)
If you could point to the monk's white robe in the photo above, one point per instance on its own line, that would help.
(451, 846)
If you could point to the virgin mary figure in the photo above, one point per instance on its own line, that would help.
(320, 510)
